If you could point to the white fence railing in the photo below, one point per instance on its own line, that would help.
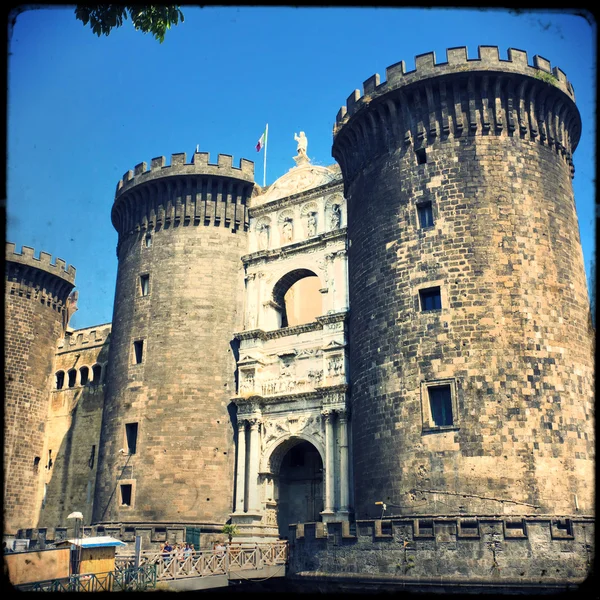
(204, 563)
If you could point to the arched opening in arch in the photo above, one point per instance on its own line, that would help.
(60, 380)
(298, 469)
(96, 374)
(72, 377)
(297, 298)
(84, 374)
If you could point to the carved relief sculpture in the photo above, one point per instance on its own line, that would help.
(311, 225)
(286, 231)
(335, 217)
(263, 236)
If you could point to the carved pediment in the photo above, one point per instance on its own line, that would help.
(248, 361)
(334, 345)
(296, 180)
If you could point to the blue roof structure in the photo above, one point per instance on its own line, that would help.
(95, 542)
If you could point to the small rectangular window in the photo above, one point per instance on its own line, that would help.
(145, 284)
(440, 403)
(131, 432)
(126, 494)
(148, 240)
(138, 351)
(425, 211)
(431, 299)
(421, 156)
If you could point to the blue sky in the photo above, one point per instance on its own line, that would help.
(82, 110)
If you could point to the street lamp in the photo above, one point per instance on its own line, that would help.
(76, 550)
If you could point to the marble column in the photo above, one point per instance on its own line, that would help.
(344, 481)
(342, 277)
(241, 468)
(251, 297)
(253, 506)
(329, 469)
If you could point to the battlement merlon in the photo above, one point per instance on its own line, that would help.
(178, 167)
(44, 263)
(79, 339)
(456, 62)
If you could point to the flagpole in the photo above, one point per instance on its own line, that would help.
(265, 165)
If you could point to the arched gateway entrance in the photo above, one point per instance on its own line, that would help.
(299, 474)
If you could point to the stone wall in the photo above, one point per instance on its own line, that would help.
(511, 341)
(186, 232)
(35, 295)
(498, 551)
(73, 431)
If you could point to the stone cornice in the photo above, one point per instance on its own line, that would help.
(316, 192)
(277, 333)
(333, 317)
(295, 248)
(319, 393)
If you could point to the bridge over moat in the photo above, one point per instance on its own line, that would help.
(215, 568)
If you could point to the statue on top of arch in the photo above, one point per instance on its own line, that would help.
(301, 158)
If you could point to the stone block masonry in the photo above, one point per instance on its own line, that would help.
(70, 457)
(510, 339)
(35, 295)
(453, 553)
(171, 360)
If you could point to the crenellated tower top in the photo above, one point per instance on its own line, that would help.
(458, 97)
(38, 278)
(183, 193)
(44, 263)
(198, 166)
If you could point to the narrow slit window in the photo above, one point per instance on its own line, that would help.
(60, 380)
(148, 240)
(138, 351)
(145, 284)
(126, 494)
(431, 299)
(425, 211)
(131, 433)
(440, 403)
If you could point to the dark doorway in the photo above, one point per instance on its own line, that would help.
(300, 487)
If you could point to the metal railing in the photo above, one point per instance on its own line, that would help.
(121, 580)
(205, 563)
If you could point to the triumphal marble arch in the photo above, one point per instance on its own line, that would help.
(293, 456)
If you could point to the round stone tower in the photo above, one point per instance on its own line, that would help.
(469, 331)
(35, 301)
(167, 442)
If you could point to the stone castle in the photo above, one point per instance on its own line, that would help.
(393, 353)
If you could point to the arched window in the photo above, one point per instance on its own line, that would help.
(96, 374)
(84, 373)
(72, 377)
(297, 297)
(60, 380)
